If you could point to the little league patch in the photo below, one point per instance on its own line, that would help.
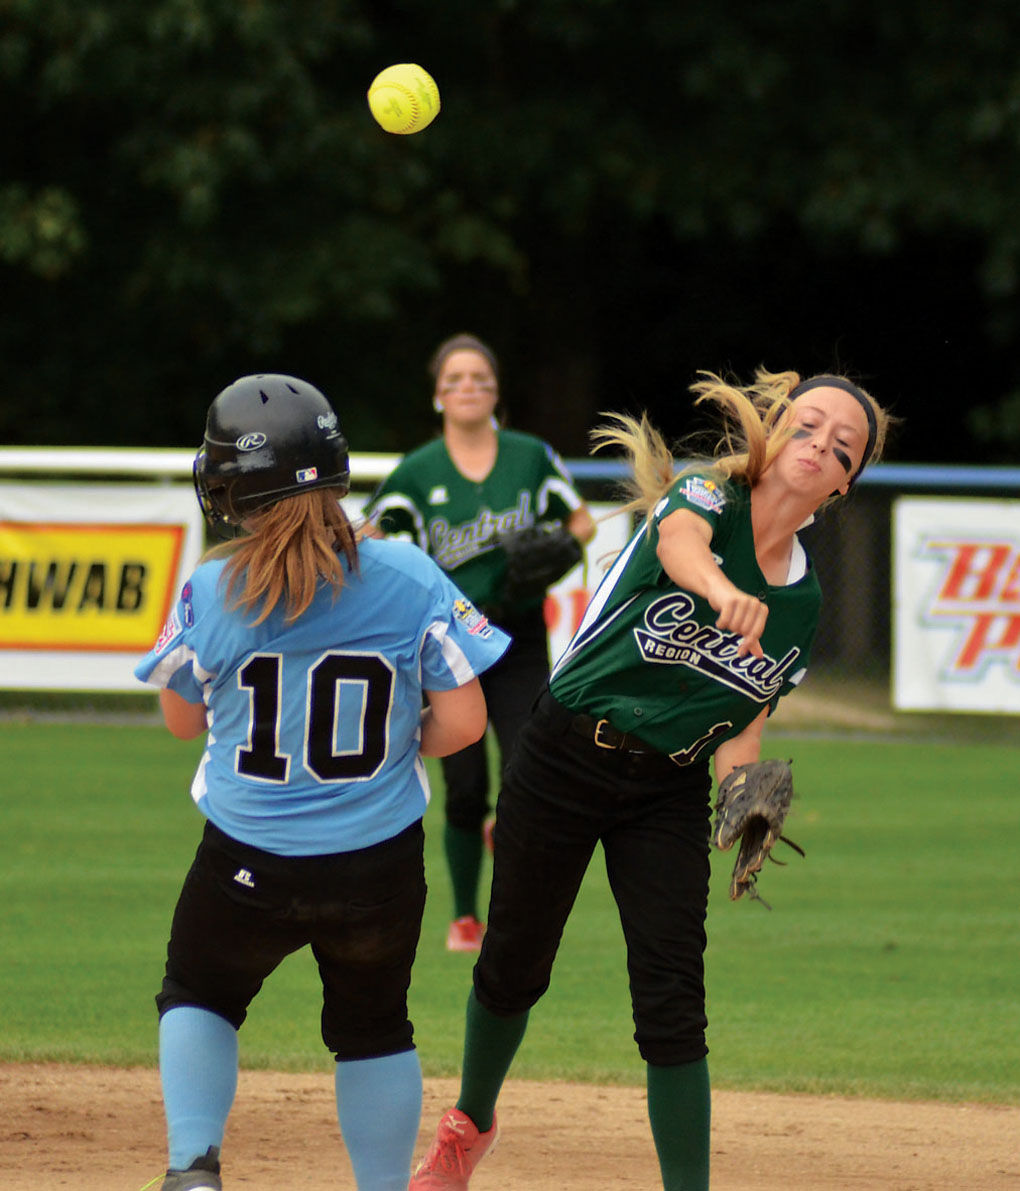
(706, 494)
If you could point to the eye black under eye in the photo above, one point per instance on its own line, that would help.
(802, 432)
(843, 457)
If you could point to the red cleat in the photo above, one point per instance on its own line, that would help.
(456, 1151)
(465, 934)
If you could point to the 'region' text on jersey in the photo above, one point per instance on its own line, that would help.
(672, 635)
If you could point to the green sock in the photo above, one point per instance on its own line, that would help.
(464, 860)
(490, 1043)
(680, 1112)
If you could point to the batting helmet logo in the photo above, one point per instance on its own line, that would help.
(251, 441)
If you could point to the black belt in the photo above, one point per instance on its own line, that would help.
(606, 736)
(600, 731)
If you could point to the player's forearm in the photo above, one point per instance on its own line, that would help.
(741, 749)
(453, 720)
(184, 720)
(440, 738)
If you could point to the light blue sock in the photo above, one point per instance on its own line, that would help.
(378, 1105)
(198, 1069)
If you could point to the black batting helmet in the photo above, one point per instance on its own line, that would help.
(267, 437)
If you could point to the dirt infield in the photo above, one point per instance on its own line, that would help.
(99, 1128)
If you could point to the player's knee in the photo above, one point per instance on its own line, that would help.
(350, 1042)
(174, 994)
(662, 1053)
(667, 1039)
(506, 998)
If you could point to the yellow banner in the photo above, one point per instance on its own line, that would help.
(86, 587)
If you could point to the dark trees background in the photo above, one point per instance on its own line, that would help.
(616, 194)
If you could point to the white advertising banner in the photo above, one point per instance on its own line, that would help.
(88, 573)
(956, 605)
(568, 599)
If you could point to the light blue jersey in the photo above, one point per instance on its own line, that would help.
(314, 726)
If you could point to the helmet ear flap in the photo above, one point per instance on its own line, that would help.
(213, 498)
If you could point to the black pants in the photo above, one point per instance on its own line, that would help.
(510, 688)
(562, 794)
(241, 911)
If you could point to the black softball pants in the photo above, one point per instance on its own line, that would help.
(510, 688)
(563, 794)
(242, 910)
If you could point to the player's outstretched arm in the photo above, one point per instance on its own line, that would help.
(685, 552)
(453, 719)
(185, 720)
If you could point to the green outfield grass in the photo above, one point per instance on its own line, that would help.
(889, 965)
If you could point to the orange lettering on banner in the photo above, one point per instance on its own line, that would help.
(975, 569)
(579, 598)
(981, 590)
(1011, 588)
(553, 610)
(979, 640)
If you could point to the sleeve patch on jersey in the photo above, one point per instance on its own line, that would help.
(187, 607)
(706, 494)
(474, 621)
(168, 631)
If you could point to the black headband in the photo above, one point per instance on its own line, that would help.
(840, 382)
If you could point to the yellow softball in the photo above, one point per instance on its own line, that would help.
(404, 98)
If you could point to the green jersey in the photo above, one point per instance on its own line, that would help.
(457, 520)
(647, 655)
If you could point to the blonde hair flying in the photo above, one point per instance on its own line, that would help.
(291, 547)
(754, 430)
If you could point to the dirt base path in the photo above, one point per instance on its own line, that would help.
(98, 1128)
